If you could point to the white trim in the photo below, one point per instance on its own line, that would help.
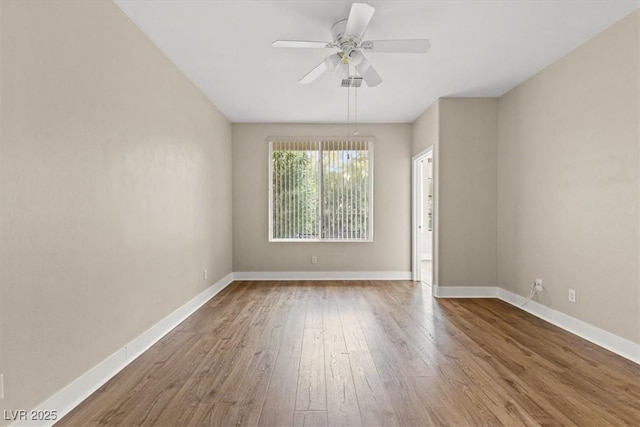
(425, 257)
(321, 240)
(359, 138)
(618, 345)
(416, 213)
(621, 346)
(323, 275)
(82, 387)
(270, 190)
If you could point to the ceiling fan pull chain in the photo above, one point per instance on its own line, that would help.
(356, 112)
(348, 105)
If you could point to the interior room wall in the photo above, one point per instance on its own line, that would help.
(568, 182)
(115, 191)
(391, 248)
(467, 192)
(463, 132)
(425, 130)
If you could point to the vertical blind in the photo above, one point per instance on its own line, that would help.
(320, 190)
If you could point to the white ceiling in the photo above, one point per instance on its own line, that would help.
(479, 48)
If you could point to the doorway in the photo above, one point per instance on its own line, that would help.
(424, 219)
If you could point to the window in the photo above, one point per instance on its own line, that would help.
(321, 190)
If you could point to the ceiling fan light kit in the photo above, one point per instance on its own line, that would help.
(348, 37)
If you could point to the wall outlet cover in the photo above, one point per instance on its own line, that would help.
(538, 285)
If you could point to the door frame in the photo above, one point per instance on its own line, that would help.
(416, 220)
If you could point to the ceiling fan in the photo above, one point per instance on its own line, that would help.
(348, 39)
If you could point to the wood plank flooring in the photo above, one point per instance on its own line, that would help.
(365, 353)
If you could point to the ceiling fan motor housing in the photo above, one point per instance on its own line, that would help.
(347, 44)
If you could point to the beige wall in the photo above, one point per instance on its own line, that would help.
(390, 250)
(467, 192)
(463, 132)
(425, 131)
(568, 179)
(115, 184)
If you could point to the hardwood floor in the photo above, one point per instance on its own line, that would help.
(425, 272)
(365, 353)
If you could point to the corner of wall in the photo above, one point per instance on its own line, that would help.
(565, 134)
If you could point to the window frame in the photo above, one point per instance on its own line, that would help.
(370, 141)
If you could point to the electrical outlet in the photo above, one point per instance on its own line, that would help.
(314, 259)
(204, 274)
(538, 285)
(1, 386)
(572, 295)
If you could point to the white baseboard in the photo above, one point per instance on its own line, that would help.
(323, 275)
(82, 387)
(620, 346)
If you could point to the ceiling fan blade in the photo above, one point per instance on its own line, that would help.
(332, 61)
(301, 43)
(342, 71)
(314, 74)
(397, 46)
(368, 73)
(359, 18)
